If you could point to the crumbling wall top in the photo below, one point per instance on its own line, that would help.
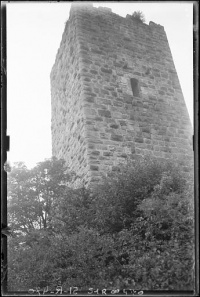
(88, 7)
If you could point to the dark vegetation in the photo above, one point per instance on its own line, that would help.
(139, 16)
(135, 230)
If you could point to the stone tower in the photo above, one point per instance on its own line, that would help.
(115, 92)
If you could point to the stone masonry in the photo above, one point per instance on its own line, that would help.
(115, 93)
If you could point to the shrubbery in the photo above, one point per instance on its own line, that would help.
(139, 16)
(135, 230)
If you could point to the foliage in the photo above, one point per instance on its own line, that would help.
(139, 16)
(117, 199)
(135, 230)
(32, 194)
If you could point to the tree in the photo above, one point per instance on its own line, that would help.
(32, 194)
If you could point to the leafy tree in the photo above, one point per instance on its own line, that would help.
(32, 194)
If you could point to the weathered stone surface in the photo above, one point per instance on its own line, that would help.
(114, 126)
(104, 113)
(94, 167)
(116, 137)
(107, 154)
(140, 140)
(96, 119)
(106, 70)
(96, 153)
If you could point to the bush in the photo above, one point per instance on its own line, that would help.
(139, 16)
(161, 243)
(116, 200)
(135, 230)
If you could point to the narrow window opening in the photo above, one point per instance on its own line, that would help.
(135, 87)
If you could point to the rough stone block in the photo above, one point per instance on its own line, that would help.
(94, 167)
(139, 140)
(95, 153)
(104, 113)
(106, 70)
(116, 137)
(93, 71)
(107, 154)
(114, 126)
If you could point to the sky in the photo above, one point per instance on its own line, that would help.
(34, 32)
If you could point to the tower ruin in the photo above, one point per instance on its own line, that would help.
(115, 93)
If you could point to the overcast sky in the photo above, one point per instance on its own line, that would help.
(34, 31)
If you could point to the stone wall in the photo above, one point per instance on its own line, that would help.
(115, 93)
(68, 127)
